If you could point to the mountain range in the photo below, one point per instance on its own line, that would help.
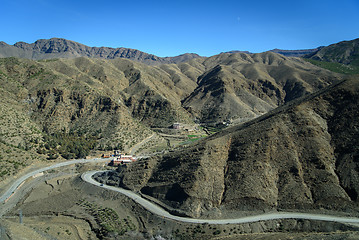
(62, 48)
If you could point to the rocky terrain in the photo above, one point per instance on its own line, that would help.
(62, 48)
(301, 156)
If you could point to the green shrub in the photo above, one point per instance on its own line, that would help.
(68, 145)
(336, 67)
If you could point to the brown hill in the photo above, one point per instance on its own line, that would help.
(79, 101)
(226, 86)
(300, 156)
(62, 48)
(150, 94)
(242, 86)
(286, 53)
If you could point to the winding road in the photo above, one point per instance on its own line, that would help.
(155, 209)
(16, 184)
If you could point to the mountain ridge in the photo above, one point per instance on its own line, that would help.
(62, 48)
(296, 53)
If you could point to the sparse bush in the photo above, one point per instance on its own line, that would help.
(108, 219)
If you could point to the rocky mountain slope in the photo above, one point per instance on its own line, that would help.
(299, 156)
(242, 86)
(62, 48)
(49, 112)
(220, 88)
(346, 52)
(150, 94)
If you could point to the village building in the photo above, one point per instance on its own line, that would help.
(122, 159)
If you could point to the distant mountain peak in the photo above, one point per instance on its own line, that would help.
(63, 48)
(295, 53)
(238, 51)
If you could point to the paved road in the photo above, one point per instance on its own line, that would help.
(268, 216)
(20, 180)
(161, 212)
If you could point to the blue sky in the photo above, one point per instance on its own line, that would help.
(169, 28)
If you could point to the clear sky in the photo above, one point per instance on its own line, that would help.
(169, 28)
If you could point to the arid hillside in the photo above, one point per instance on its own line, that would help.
(260, 132)
(46, 114)
(243, 86)
(299, 156)
(223, 87)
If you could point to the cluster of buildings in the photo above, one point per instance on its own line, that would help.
(119, 158)
(185, 127)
